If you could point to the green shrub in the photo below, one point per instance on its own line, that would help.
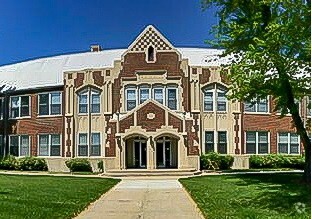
(276, 161)
(216, 161)
(100, 165)
(79, 165)
(24, 163)
(32, 163)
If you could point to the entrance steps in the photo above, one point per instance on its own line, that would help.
(154, 172)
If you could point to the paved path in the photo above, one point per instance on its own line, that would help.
(150, 199)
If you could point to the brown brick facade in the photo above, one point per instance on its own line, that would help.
(111, 130)
(126, 123)
(147, 123)
(175, 122)
(98, 78)
(79, 80)
(205, 76)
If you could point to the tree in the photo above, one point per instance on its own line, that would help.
(267, 47)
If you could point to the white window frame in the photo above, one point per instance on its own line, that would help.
(215, 89)
(257, 143)
(159, 87)
(49, 144)
(144, 87)
(288, 143)
(131, 88)
(49, 104)
(19, 145)
(216, 139)
(278, 112)
(256, 107)
(88, 144)
(20, 107)
(172, 87)
(88, 92)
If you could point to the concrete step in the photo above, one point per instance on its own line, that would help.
(156, 172)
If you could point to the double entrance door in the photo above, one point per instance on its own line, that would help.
(163, 154)
(139, 154)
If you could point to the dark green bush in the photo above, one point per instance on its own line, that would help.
(24, 163)
(79, 165)
(276, 161)
(32, 163)
(216, 161)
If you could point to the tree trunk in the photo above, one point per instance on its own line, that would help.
(300, 129)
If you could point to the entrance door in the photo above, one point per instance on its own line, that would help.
(139, 154)
(167, 154)
(160, 154)
(163, 154)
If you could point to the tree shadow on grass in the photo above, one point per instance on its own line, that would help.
(275, 192)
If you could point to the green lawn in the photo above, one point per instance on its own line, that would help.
(48, 196)
(250, 196)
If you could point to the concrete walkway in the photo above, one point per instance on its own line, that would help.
(152, 199)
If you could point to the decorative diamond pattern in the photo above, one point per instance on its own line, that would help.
(150, 38)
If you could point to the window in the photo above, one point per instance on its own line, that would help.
(83, 144)
(288, 143)
(172, 98)
(19, 145)
(83, 101)
(131, 98)
(49, 145)
(1, 108)
(214, 95)
(297, 102)
(222, 142)
(144, 94)
(159, 94)
(257, 142)
(19, 106)
(150, 54)
(260, 105)
(50, 103)
(209, 142)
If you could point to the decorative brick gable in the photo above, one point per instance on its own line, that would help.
(175, 122)
(126, 123)
(147, 122)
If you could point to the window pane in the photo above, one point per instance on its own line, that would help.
(294, 138)
(95, 103)
(95, 139)
(249, 107)
(251, 137)
(95, 108)
(283, 138)
(208, 101)
(14, 146)
(172, 99)
(222, 143)
(55, 145)
(43, 99)
(43, 145)
(221, 101)
(283, 148)
(209, 142)
(294, 148)
(95, 144)
(131, 99)
(144, 94)
(262, 137)
(158, 95)
(24, 149)
(251, 148)
(56, 98)
(83, 139)
(83, 99)
(82, 147)
(55, 109)
(263, 105)
(95, 99)
(83, 108)
(25, 106)
(251, 142)
(15, 103)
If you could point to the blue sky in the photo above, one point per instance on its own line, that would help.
(40, 28)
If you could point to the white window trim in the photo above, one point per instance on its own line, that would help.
(19, 145)
(256, 106)
(288, 144)
(177, 96)
(20, 107)
(144, 87)
(89, 143)
(215, 139)
(49, 104)
(214, 90)
(257, 143)
(49, 145)
(126, 97)
(88, 91)
(159, 87)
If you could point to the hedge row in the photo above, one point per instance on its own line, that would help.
(276, 161)
(24, 163)
(79, 165)
(213, 161)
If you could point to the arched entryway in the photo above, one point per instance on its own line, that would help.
(166, 152)
(136, 152)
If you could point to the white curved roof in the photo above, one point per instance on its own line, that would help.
(49, 71)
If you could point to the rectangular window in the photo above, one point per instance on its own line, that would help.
(83, 102)
(260, 105)
(95, 144)
(208, 101)
(1, 108)
(172, 98)
(25, 106)
(159, 95)
(82, 144)
(257, 142)
(288, 143)
(209, 141)
(49, 145)
(95, 102)
(43, 104)
(131, 99)
(221, 102)
(55, 99)
(222, 142)
(15, 107)
(19, 106)
(19, 145)
(144, 94)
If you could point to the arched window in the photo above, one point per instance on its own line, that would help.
(150, 54)
(89, 99)
(214, 98)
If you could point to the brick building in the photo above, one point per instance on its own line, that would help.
(150, 106)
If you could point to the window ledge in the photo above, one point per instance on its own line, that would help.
(258, 113)
(24, 117)
(47, 116)
(279, 114)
